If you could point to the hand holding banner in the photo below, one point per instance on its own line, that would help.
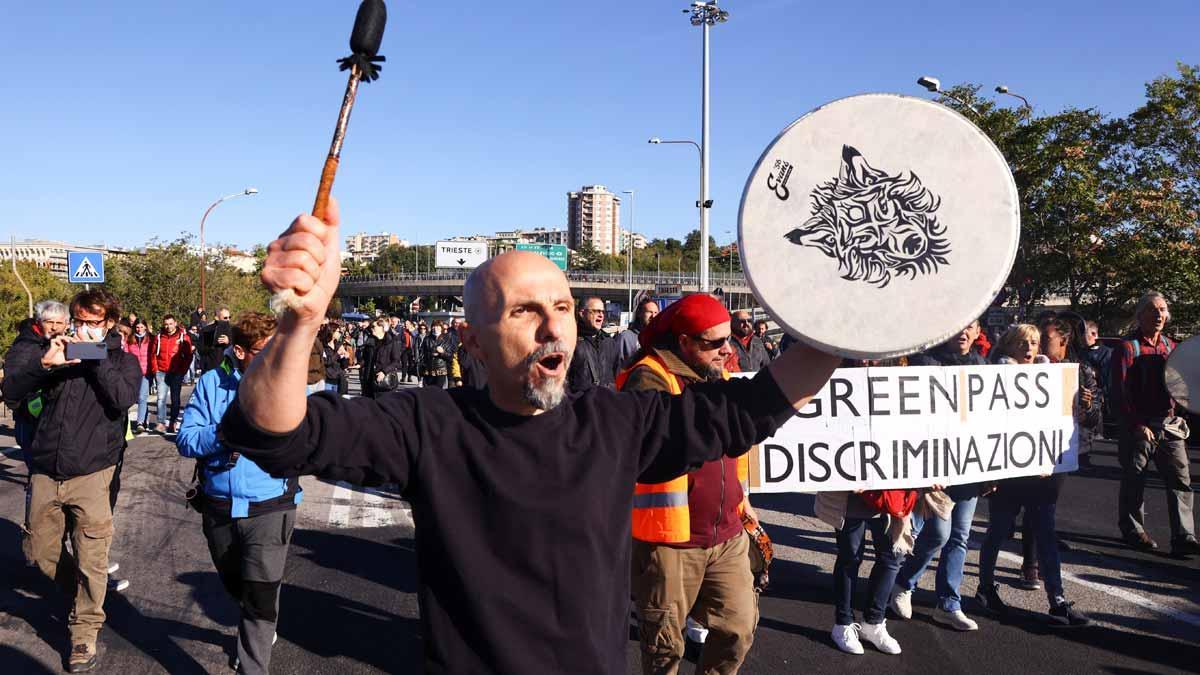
(879, 428)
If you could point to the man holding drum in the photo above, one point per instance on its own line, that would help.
(521, 493)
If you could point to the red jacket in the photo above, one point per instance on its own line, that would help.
(144, 351)
(173, 353)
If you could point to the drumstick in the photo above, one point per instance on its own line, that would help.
(363, 64)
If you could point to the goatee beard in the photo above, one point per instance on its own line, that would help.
(549, 393)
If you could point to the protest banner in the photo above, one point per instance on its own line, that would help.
(879, 428)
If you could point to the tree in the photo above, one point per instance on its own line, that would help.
(1108, 206)
(586, 258)
(14, 303)
(166, 280)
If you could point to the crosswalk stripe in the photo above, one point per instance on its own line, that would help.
(339, 508)
(376, 512)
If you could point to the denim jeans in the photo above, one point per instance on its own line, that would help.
(948, 536)
(170, 387)
(850, 542)
(1002, 515)
(143, 413)
(331, 386)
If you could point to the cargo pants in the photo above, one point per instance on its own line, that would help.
(713, 585)
(80, 508)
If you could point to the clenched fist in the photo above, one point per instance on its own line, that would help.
(303, 265)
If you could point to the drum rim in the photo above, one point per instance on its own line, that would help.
(1011, 184)
(1177, 355)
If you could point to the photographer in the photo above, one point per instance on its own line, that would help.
(73, 455)
(248, 515)
(214, 340)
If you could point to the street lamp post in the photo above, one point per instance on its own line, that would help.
(704, 13)
(629, 250)
(1003, 89)
(934, 86)
(246, 192)
(700, 202)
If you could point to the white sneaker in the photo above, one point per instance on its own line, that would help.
(876, 634)
(901, 602)
(117, 585)
(846, 638)
(113, 567)
(956, 619)
(695, 632)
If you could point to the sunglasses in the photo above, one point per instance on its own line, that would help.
(710, 345)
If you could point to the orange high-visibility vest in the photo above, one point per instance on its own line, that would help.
(660, 510)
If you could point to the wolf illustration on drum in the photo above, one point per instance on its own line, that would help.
(874, 224)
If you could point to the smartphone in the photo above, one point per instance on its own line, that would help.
(86, 351)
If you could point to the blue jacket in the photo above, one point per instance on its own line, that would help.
(245, 482)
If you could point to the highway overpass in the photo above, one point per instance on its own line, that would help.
(611, 286)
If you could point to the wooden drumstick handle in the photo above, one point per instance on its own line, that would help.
(326, 185)
(288, 298)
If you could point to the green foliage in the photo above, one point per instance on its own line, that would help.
(1108, 205)
(166, 280)
(396, 259)
(14, 302)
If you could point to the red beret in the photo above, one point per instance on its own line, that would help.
(691, 315)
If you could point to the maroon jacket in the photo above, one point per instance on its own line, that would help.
(1137, 380)
(714, 493)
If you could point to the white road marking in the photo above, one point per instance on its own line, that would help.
(351, 506)
(375, 511)
(339, 507)
(1120, 593)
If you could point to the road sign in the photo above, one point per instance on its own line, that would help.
(85, 267)
(668, 289)
(414, 306)
(557, 253)
(461, 255)
(997, 317)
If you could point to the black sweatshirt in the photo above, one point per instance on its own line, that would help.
(522, 522)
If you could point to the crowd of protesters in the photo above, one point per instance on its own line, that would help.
(692, 565)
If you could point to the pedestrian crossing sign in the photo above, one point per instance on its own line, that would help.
(85, 267)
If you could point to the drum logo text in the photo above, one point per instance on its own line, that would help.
(778, 185)
(874, 224)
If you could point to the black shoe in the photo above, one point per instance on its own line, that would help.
(1185, 546)
(1140, 541)
(989, 601)
(1064, 614)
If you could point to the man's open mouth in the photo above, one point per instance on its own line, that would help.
(552, 364)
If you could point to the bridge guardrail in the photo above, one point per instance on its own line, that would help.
(638, 278)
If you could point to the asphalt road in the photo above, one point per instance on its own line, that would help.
(349, 603)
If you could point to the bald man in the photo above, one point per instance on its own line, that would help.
(521, 493)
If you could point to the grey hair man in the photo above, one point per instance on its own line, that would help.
(52, 315)
(1150, 430)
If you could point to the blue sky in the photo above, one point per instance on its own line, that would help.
(125, 120)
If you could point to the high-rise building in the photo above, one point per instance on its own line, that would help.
(639, 240)
(542, 235)
(363, 246)
(594, 215)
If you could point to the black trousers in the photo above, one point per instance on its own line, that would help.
(249, 554)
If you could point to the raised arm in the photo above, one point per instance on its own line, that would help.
(304, 260)
(717, 418)
(272, 421)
